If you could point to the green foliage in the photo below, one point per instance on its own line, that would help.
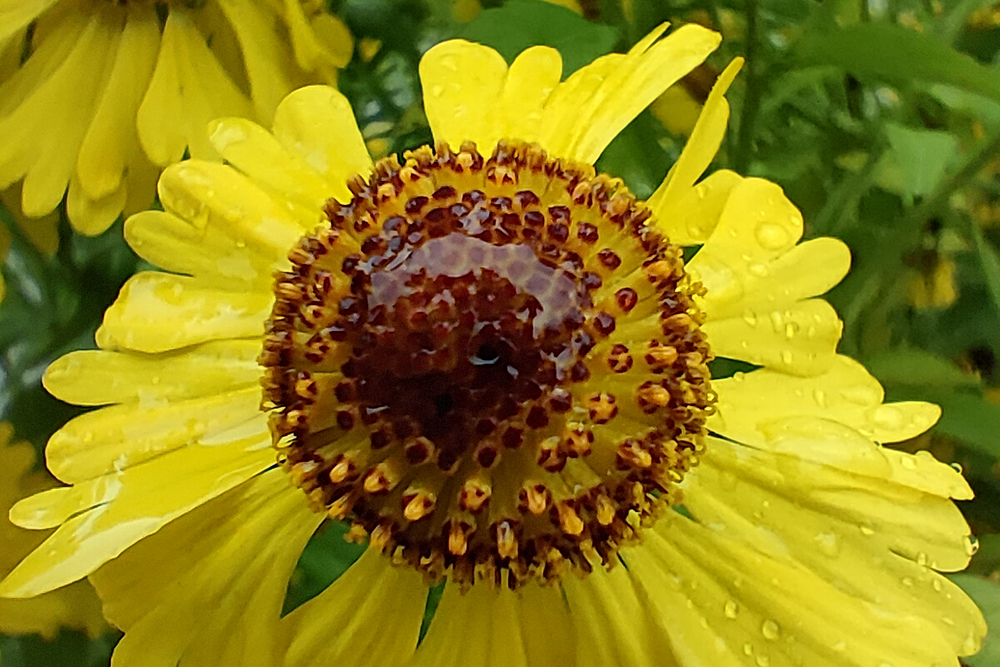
(520, 24)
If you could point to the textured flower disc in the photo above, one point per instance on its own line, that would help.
(488, 365)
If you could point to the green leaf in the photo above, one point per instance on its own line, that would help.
(987, 559)
(327, 556)
(986, 595)
(912, 366)
(921, 156)
(990, 263)
(518, 25)
(899, 55)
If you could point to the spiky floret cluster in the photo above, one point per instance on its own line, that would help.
(488, 365)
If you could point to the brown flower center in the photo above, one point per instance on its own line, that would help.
(492, 367)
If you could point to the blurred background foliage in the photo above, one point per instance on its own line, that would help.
(879, 118)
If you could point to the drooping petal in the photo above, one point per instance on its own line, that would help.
(749, 403)
(15, 15)
(188, 89)
(157, 312)
(800, 339)
(369, 617)
(229, 562)
(498, 628)
(769, 610)
(111, 137)
(611, 623)
(876, 523)
(97, 377)
(103, 517)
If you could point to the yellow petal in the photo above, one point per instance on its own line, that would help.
(700, 149)
(462, 83)
(263, 55)
(47, 127)
(317, 123)
(532, 77)
(755, 605)
(133, 503)
(586, 122)
(73, 606)
(188, 89)
(112, 135)
(120, 436)
(211, 253)
(207, 194)
(377, 609)
(749, 403)
(498, 628)
(96, 377)
(15, 15)
(809, 269)
(93, 216)
(156, 312)
(696, 213)
(842, 507)
(612, 624)
(757, 226)
(255, 152)
(229, 561)
(801, 339)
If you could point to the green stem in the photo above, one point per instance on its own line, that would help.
(754, 85)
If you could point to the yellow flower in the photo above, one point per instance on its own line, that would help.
(492, 363)
(112, 91)
(76, 605)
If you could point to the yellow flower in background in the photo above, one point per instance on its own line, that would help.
(75, 606)
(113, 91)
(491, 362)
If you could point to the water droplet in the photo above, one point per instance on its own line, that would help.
(888, 418)
(971, 643)
(791, 329)
(839, 646)
(909, 463)
(748, 649)
(437, 91)
(786, 357)
(947, 620)
(936, 584)
(750, 317)
(450, 63)
(828, 544)
(957, 467)
(732, 609)
(907, 581)
(763, 661)
(771, 236)
(971, 545)
(922, 559)
(820, 397)
(758, 269)
(867, 531)
(770, 630)
(240, 243)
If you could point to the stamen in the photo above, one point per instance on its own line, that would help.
(490, 366)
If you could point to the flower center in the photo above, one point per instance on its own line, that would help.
(492, 367)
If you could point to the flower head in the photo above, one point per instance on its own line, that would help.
(492, 362)
(112, 91)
